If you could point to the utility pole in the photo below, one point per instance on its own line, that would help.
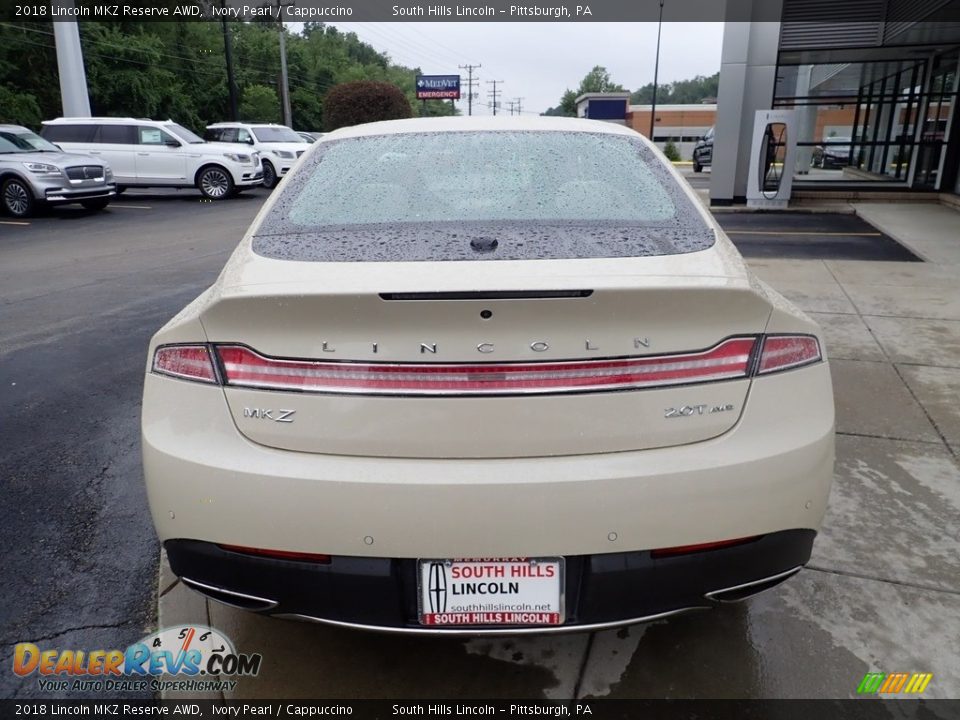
(228, 52)
(493, 93)
(284, 82)
(470, 83)
(513, 105)
(656, 70)
(519, 104)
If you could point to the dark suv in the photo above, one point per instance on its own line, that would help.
(703, 152)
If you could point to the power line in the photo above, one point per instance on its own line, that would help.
(470, 83)
(493, 93)
(403, 45)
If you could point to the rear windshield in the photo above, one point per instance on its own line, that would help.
(498, 195)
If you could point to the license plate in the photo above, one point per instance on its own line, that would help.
(496, 591)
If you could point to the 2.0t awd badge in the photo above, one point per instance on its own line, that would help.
(688, 410)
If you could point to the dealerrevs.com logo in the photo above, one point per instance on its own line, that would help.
(186, 658)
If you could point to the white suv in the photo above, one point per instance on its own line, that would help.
(156, 153)
(278, 145)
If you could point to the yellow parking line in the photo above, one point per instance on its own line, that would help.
(800, 232)
(12, 222)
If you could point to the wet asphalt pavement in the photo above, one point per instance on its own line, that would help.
(81, 295)
(806, 236)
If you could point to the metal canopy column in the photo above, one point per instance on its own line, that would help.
(748, 72)
(73, 77)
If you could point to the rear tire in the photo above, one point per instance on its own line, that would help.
(215, 183)
(697, 167)
(95, 204)
(269, 176)
(17, 199)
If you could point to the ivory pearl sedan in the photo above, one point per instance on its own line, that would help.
(486, 375)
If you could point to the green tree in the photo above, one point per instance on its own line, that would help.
(698, 89)
(19, 108)
(260, 104)
(176, 70)
(28, 73)
(307, 109)
(126, 73)
(596, 81)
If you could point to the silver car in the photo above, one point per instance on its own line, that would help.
(34, 172)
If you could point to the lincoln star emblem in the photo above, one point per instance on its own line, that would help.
(437, 588)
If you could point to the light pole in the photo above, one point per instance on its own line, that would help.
(656, 71)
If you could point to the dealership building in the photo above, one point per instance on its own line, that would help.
(870, 86)
(872, 83)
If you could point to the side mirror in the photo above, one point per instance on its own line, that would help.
(172, 143)
(249, 141)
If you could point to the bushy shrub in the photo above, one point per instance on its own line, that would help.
(364, 101)
(670, 150)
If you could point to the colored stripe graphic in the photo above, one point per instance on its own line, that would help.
(893, 683)
(871, 683)
(918, 683)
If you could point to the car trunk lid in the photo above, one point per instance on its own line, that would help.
(496, 359)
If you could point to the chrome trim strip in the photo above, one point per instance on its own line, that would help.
(473, 632)
(201, 587)
(779, 576)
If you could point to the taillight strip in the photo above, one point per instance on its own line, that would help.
(243, 367)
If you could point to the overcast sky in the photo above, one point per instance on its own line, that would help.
(539, 61)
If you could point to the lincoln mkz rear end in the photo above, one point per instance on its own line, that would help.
(486, 376)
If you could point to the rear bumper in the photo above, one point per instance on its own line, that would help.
(771, 472)
(381, 593)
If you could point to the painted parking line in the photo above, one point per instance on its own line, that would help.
(801, 232)
(132, 207)
(12, 222)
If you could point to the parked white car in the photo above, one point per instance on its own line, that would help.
(278, 145)
(159, 153)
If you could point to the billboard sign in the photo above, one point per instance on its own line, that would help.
(438, 87)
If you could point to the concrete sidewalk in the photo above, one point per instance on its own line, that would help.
(882, 592)
(930, 230)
